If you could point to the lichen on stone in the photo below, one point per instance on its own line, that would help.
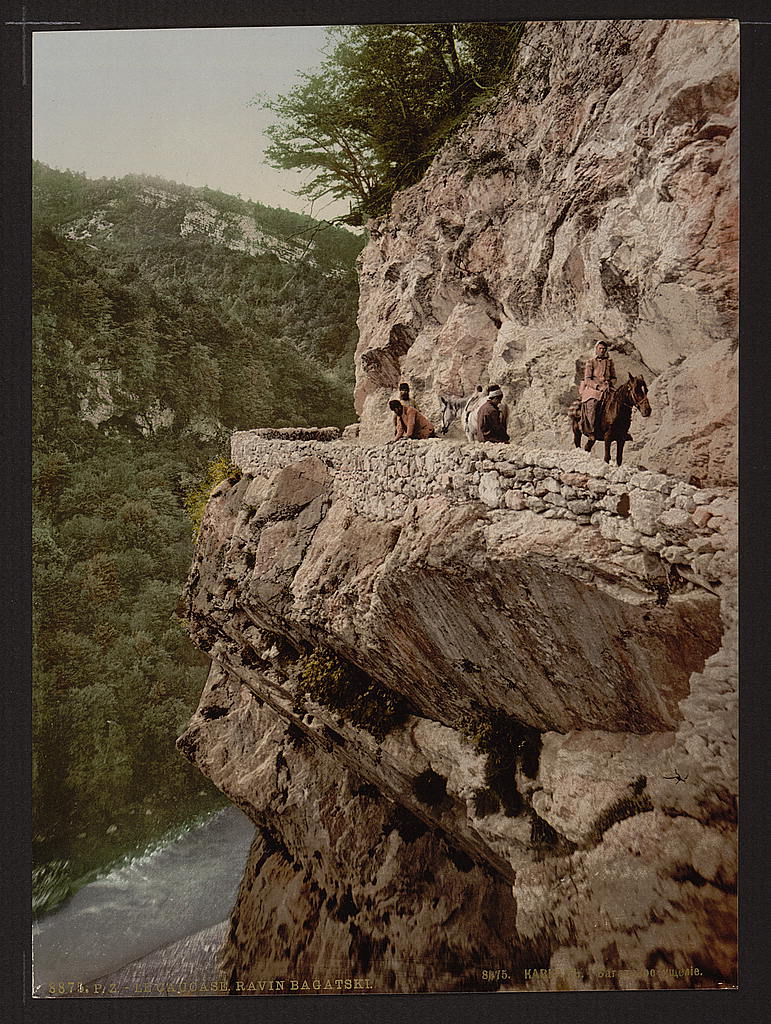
(339, 684)
(507, 742)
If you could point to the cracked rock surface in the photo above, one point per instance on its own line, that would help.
(480, 701)
(558, 725)
(594, 198)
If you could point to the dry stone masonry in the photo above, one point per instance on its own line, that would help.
(691, 527)
(490, 587)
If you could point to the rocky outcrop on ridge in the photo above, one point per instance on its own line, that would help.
(517, 697)
(594, 198)
(198, 219)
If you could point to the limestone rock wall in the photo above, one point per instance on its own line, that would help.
(342, 883)
(481, 700)
(411, 856)
(640, 512)
(594, 197)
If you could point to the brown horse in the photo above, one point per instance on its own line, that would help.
(614, 416)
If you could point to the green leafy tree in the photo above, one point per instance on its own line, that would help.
(373, 116)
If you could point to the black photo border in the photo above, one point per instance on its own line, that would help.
(745, 1004)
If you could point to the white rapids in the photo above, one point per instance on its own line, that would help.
(183, 884)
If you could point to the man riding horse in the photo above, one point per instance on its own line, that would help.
(604, 413)
(599, 379)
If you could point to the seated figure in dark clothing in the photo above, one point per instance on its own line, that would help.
(491, 424)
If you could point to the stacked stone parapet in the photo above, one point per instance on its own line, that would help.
(692, 528)
(691, 532)
(294, 433)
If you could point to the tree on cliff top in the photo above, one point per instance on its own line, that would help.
(371, 119)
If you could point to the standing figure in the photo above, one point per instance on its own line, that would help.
(491, 423)
(409, 422)
(599, 379)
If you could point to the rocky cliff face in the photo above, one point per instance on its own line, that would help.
(480, 700)
(458, 708)
(596, 198)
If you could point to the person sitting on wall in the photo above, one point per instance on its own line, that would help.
(491, 424)
(409, 423)
(503, 408)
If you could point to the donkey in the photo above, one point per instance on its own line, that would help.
(466, 407)
(614, 416)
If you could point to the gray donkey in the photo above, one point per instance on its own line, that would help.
(467, 408)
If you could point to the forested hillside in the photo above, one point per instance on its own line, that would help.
(164, 318)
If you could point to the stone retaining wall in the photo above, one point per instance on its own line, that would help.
(692, 528)
(295, 433)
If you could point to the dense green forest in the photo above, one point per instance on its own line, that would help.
(149, 347)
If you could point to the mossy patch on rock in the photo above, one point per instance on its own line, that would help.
(196, 499)
(506, 741)
(338, 684)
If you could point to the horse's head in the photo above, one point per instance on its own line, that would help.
(638, 392)
(448, 415)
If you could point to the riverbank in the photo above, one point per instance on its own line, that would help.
(184, 968)
(171, 895)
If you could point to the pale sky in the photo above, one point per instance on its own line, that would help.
(171, 102)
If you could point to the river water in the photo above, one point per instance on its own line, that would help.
(186, 883)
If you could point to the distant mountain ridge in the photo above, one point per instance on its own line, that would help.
(267, 298)
(109, 211)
